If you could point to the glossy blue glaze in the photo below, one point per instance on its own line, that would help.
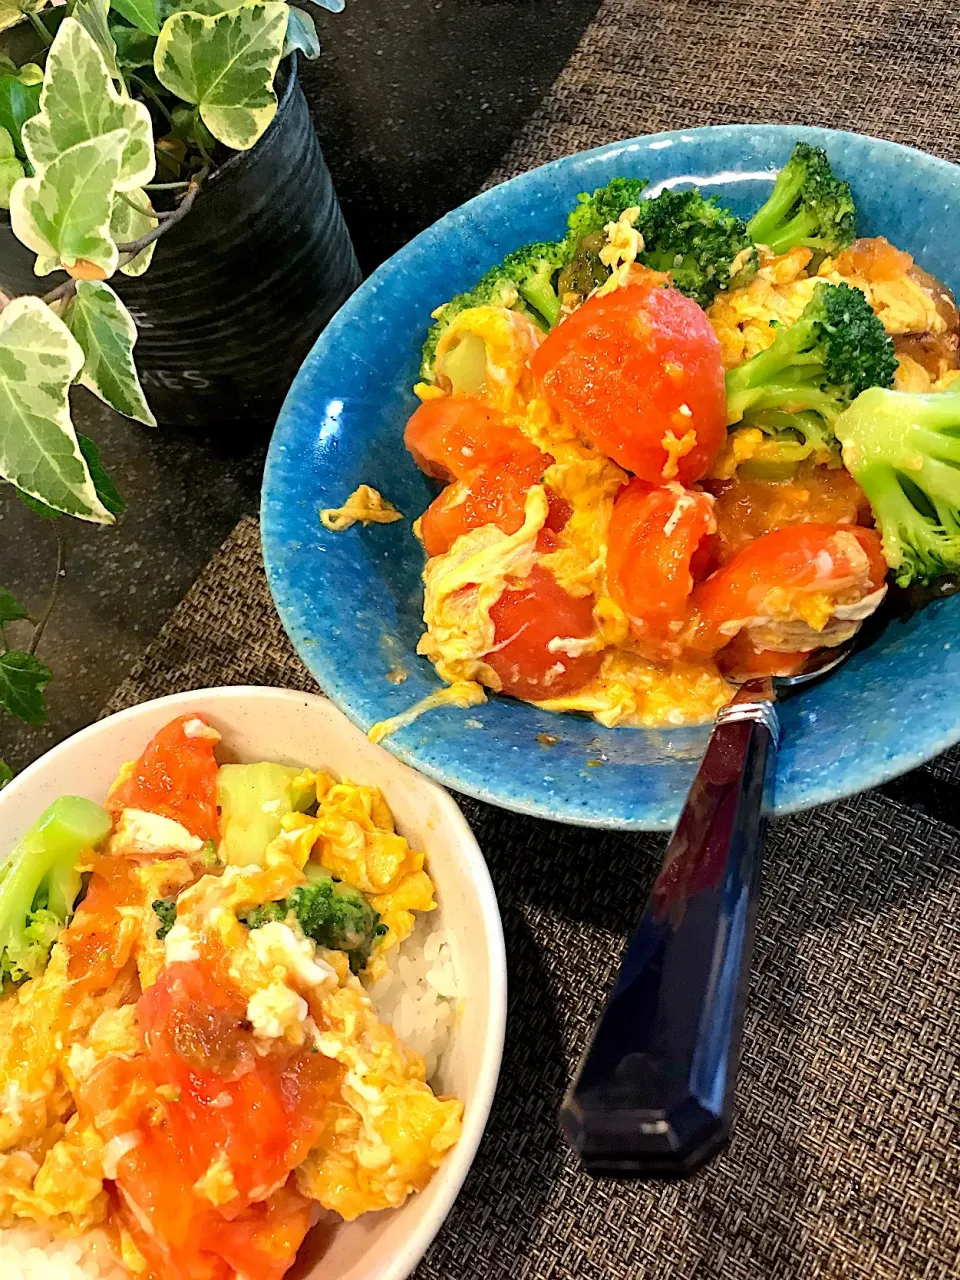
(351, 601)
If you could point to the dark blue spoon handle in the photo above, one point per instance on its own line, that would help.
(653, 1095)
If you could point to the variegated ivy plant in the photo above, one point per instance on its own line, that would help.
(107, 133)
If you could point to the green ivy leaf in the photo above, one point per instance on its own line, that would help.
(92, 16)
(225, 65)
(301, 34)
(105, 330)
(79, 102)
(23, 679)
(18, 102)
(11, 170)
(205, 7)
(64, 213)
(6, 774)
(30, 74)
(141, 13)
(11, 12)
(38, 508)
(11, 610)
(127, 224)
(107, 491)
(39, 453)
(134, 48)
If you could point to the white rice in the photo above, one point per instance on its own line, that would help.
(418, 996)
(32, 1253)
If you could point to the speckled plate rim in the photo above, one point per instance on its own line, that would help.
(326, 670)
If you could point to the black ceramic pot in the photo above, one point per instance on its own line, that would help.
(238, 291)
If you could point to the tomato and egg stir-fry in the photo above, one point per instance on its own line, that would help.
(644, 499)
(196, 1062)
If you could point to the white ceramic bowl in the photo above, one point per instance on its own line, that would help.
(297, 728)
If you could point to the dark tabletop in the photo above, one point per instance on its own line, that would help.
(415, 101)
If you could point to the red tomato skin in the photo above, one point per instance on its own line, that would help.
(655, 534)
(454, 437)
(626, 368)
(176, 777)
(740, 660)
(487, 498)
(791, 557)
(525, 620)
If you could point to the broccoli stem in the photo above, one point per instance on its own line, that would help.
(42, 869)
(540, 294)
(769, 217)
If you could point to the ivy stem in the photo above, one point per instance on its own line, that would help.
(40, 29)
(166, 186)
(176, 215)
(147, 213)
(199, 140)
(54, 590)
(154, 97)
(62, 292)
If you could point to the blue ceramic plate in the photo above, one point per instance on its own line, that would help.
(351, 602)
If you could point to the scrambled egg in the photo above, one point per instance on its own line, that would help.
(364, 506)
(386, 1131)
(743, 318)
(484, 352)
(462, 586)
(631, 692)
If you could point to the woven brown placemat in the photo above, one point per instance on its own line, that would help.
(845, 1159)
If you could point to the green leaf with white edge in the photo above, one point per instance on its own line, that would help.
(92, 16)
(38, 508)
(11, 610)
(18, 102)
(79, 101)
(107, 491)
(301, 34)
(127, 225)
(6, 774)
(141, 13)
(39, 453)
(23, 678)
(134, 48)
(11, 13)
(105, 330)
(63, 214)
(206, 7)
(10, 168)
(225, 65)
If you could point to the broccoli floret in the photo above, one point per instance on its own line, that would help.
(703, 246)
(39, 883)
(903, 449)
(493, 289)
(257, 917)
(333, 914)
(793, 438)
(534, 270)
(165, 909)
(835, 350)
(605, 205)
(808, 206)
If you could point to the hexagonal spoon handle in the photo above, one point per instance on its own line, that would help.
(653, 1095)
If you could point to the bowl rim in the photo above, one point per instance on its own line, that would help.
(460, 1161)
(895, 763)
